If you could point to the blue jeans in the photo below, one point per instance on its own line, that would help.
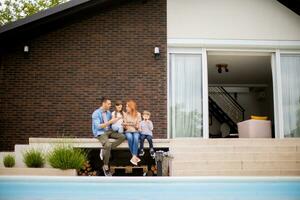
(118, 128)
(133, 142)
(148, 138)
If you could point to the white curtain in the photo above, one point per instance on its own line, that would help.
(290, 74)
(185, 95)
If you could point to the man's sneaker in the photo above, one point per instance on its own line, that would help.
(142, 153)
(106, 171)
(101, 154)
(152, 153)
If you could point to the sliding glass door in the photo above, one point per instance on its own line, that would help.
(185, 95)
(290, 85)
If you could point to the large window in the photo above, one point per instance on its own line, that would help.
(290, 71)
(185, 95)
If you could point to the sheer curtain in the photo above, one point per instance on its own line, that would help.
(185, 95)
(290, 75)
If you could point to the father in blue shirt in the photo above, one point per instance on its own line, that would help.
(101, 126)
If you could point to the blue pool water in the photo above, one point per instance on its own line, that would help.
(126, 188)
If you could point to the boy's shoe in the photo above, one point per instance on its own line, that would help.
(152, 153)
(142, 153)
(101, 154)
(106, 171)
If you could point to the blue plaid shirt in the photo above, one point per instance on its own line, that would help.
(97, 119)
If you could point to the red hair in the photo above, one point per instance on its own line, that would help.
(132, 105)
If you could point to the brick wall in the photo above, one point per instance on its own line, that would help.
(52, 92)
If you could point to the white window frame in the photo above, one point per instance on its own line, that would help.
(280, 127)
(275, 48)
(198, 51)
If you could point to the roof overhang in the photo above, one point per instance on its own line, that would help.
(45, 20)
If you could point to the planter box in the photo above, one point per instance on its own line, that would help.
(36, 172)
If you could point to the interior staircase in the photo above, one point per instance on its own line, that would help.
(225, 108)
(235, 157)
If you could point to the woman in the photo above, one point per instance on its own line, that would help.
(132, 120)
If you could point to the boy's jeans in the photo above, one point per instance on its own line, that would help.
(148, 138)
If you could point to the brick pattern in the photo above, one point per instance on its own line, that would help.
(52, 92)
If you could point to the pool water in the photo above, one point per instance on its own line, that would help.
(157, 188)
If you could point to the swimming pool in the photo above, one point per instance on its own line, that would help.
(158, 188)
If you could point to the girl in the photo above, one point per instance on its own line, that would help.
(131, 124)
(117, 117)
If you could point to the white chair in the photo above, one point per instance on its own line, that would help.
(253, 128)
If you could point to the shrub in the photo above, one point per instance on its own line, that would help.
(66, 157)
(34, 158)
(9, 161)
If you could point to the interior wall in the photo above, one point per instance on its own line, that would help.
(255, 104)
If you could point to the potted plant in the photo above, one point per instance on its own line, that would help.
(66, 157)
(9, 161)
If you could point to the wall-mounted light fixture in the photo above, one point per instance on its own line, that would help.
(156, 53)
(26, 49)
(222, 66)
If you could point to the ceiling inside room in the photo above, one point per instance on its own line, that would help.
(243, 69)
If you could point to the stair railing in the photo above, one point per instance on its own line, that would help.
(228, 104)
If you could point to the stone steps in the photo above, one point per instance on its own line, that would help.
(236, 165)
(89, 142)
(235, 157)
(235, 148)
(213, 157)
(235, 141)
(236, 173)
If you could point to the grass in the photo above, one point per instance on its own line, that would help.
(9, 161)
(34, 158)
(66, 157)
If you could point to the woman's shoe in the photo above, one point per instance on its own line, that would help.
(133, 161)
(138, 159)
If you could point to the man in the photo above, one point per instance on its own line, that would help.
(101, 126)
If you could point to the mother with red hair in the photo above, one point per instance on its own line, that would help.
(132, 120)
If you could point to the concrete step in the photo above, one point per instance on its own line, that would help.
(235, 141)
(89, 142)
(20, 149)
(235, 165)
(37, 172)
(233, 148)
(236, 173)
(236, 156)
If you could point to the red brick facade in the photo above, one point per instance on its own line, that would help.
(52, 92)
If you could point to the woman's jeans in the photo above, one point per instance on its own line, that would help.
(133, 141)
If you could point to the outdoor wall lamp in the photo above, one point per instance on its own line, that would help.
(222, 66)
(26, 49)
(156, 53)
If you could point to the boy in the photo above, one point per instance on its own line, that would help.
(146, 127)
